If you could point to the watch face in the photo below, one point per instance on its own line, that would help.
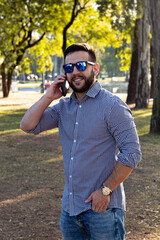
(106, 191)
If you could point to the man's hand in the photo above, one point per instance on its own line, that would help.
(99, 201)
(54, 91)
(34, 113)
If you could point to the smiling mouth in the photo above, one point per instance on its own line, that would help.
(77, 79)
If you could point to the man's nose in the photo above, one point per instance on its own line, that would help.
(75, 70)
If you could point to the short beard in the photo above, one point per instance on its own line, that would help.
(88, 83)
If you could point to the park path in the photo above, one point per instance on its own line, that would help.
(25, 99)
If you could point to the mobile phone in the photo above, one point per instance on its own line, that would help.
(64, 87)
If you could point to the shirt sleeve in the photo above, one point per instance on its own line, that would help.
(49, 120)
(122, 128)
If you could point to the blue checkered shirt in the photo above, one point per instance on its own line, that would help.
(95, 133)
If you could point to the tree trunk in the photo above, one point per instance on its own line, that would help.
(9, 81)
(142, 91)
(19, 51)
(134, 67)
(154, 10)
(152, 72)
(73, 16)
(4, 83)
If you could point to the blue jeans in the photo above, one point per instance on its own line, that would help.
(90, 225)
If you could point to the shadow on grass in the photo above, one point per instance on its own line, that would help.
(31, 186)
(10, 120)
(142, 192)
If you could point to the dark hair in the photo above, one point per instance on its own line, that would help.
(81, 47)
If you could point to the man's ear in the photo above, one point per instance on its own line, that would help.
(96, 69)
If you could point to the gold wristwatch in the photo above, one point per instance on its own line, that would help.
(106, 190)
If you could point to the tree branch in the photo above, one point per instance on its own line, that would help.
(36, 42)
(20, 52)
(73, 17)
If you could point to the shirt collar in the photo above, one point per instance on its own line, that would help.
(92, 92)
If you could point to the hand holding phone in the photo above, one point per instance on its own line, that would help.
(64, 87)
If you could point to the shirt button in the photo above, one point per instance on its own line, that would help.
(74, 140)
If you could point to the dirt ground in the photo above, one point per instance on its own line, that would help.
(32, 180)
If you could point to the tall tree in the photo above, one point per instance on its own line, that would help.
(19, 22)
(23, 24)
(73, 27)
(152, 71)
(75, 7)
(124, 14)
(78, 7)
(142, 90)
(132, 86)
(154, 10)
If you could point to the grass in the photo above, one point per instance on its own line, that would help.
(32, 179)
(142, 187)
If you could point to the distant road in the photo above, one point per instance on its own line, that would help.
(123, 96)
(36, 89)
(29, 87)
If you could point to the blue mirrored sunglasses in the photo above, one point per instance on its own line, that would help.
(81, 66)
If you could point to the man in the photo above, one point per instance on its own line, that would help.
(99, 143)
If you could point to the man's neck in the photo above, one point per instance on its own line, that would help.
(79, 95)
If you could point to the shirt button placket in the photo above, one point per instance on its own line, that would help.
(71, 169)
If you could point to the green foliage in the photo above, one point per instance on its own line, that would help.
(122, 12)
(41, 54)
(24, 67)
(95, 30)
(125, 56)
(109, 63)
(19, 22)
(24, 23)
